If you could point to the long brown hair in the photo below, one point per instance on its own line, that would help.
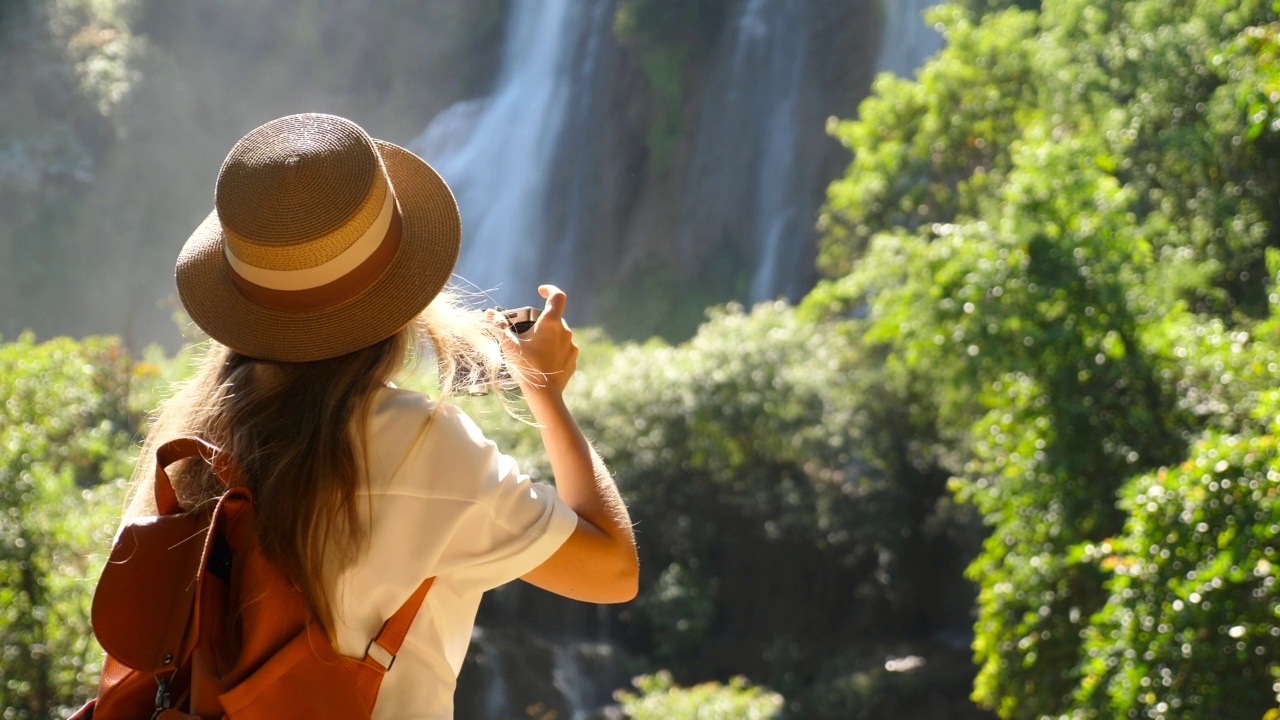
(297, 431)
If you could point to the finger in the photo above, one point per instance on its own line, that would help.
(497, 319)
(556, 301)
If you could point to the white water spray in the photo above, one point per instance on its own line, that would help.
(497, 152)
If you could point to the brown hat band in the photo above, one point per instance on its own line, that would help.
(330, 294)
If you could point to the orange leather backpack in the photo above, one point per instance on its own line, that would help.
(197, 623)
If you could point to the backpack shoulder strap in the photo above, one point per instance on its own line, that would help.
(168, 454)
(383, 648)
(224, 468)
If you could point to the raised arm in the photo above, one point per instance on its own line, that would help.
(598, 562)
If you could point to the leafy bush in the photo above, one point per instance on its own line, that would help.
(66, 440)
(736, 438)
(781, 514)
(660, 698)
(1191, 629)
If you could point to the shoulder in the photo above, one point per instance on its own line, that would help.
(394, 408)
(395, 412)
(397, 403)
(438, 443)
(396, 420)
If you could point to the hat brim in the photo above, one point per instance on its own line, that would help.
(430, 239)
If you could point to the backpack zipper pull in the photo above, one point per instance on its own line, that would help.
(163, 700)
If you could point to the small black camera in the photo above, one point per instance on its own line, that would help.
(521, 319)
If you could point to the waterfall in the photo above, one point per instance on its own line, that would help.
(512, 668)
(748, 156)
(495, 700)
(585, 674)
(580, 157)
(545, 193)
(907, 40)
(754, 149)
(498, 152)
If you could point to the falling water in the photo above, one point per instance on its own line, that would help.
(516, 667)
(583, 138)
(907, 39)
(525, 162)
(753, 148)
(748, 151)
(497, 152)
(494, 698)
(585, 674)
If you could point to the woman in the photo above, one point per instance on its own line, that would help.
(319, 274)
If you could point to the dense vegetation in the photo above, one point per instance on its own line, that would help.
(1066, 227)
(1046, 349)
(66, 431)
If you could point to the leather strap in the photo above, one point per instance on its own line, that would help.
(394, 630)
(170, 453)
(224, 468)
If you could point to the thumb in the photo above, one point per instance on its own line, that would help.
(556, 301)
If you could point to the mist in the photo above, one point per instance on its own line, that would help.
(115, 117)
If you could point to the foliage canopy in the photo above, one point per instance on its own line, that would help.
(1064, 226)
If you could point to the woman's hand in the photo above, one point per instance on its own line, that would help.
(544, 356)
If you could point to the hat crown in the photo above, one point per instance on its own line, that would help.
(296, 179)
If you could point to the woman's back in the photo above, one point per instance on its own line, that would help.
(441, 502)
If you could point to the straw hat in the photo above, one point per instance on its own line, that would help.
(323, 241)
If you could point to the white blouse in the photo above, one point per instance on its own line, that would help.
(441, 501)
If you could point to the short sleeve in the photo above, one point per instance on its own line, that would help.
(508, 524)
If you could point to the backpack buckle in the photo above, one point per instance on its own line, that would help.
(386, 663)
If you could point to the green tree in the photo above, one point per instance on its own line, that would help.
(1190, 628)
(1074, 309)
(1162, 85)
(1029, 327)
(930, 150)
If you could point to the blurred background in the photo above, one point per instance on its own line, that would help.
(933, 345)
(653, 158)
